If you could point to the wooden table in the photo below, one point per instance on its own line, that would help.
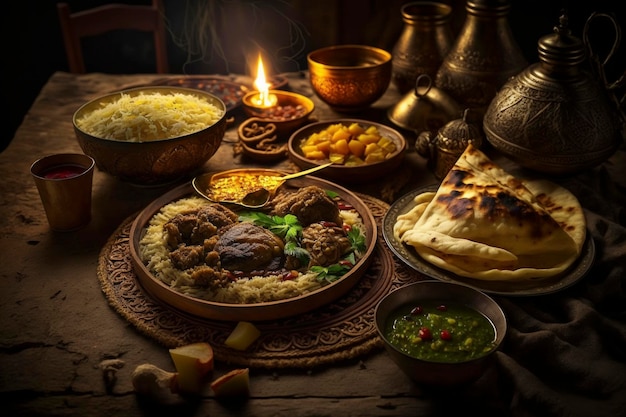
(58, 331)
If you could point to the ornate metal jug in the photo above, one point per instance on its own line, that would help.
(484, 56)
(425, 39)
(555, 116)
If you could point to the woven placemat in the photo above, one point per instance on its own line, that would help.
(341, 330)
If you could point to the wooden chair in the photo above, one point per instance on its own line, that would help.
(108, 18)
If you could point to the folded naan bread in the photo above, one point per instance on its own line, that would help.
(484, 223)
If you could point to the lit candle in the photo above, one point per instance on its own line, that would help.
(264, 99)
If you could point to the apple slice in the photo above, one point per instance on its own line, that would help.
(242, 336)
(193, 362)
(235, 383)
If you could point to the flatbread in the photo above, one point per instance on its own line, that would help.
(484, 223)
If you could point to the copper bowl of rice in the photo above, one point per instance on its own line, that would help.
(150, 136)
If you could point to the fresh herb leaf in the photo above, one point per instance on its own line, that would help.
(301, 254)
(331, 194)
(286, 227)
(357, 239)
(330, 273)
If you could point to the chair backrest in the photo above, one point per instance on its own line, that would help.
(108, 18)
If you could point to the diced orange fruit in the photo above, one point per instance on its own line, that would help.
(356, 147)
(368, 138)
(348, 144)
(355, 129)
(341, 134)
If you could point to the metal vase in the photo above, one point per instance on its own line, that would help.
(425, 39)
(484, 56)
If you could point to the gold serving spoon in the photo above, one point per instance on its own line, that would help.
(249, 188)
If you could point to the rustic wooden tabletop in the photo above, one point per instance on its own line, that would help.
(65, 350)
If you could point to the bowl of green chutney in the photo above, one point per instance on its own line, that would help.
(439, 333)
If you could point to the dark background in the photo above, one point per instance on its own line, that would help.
(284, 30)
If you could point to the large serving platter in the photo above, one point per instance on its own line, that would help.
(258, 311)
(509, 288)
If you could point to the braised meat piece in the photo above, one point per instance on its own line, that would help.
(187, 256)
(207, 277)
(247, 247)
(309, 204)
(179, 228)
(194, 226)
(326, 244)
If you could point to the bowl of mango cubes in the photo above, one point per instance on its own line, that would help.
(360, 150)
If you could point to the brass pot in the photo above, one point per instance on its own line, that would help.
(444, 149)
(484, 55)
(423, 43)
(555, 117)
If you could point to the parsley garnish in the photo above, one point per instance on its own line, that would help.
(287, 228)
(357, 240)
(331, 194)
(330, 273)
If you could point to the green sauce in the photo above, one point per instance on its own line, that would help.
(440, 332)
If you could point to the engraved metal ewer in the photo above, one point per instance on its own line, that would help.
(423, 43)
(556, 116)
(483, 57)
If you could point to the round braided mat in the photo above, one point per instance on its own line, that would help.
(341, 330)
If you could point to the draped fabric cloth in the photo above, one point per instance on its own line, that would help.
(565, 353)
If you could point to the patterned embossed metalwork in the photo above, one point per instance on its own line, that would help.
(554, 117)
(423, 43)
(484, 55)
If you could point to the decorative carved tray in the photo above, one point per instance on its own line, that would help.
(341, 330)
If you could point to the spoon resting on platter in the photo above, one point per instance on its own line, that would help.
(250, 188)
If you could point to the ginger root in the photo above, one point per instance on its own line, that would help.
(151, 380)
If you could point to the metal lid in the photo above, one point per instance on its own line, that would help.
(457, 134)
(424, 108)
(561, 47)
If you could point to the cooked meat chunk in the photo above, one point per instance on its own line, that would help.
(193, 227)
(217, 214)
(207, 277)
(326, 244)
(179, 228)
(186, 257)
(211, 218)
(309, 204)
(246, 247)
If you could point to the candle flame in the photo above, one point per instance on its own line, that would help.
(264, 98)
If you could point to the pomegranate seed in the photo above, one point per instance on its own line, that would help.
(425, 334)
(417, 310)
(442, 307)
(445, 335)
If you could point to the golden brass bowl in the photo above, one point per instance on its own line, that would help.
(349, 78)
(154, 162)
